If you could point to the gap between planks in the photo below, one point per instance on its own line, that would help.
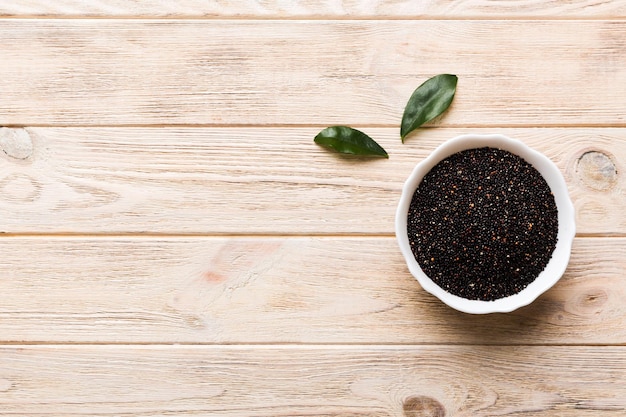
(313, 126)
(285, 346)
(335, 18)
(176, 236)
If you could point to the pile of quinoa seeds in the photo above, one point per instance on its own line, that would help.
(483, 224)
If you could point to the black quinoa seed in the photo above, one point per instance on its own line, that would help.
(483, 224)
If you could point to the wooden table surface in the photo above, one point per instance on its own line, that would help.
(174, 243)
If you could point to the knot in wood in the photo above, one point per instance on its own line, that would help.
(593, 299)
(422, 406)
(596, 170)
(16, 143)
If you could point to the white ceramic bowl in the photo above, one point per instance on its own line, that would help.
(567, 227)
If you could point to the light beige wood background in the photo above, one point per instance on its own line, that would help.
(173, 242)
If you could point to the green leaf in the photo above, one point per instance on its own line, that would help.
(345, 139)
(428, 101)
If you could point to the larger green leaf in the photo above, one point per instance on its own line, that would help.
(345, 139)
(428, 101)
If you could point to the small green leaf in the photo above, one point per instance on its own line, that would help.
(345, 139)
(428, 101)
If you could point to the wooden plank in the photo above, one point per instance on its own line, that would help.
(258, 180)
(280, 290)
(432, 381)
(129, 72)
(315, 9)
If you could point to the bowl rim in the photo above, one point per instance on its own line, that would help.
(565, 235)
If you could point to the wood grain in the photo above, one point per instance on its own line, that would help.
(280, 290)
(258, 180)
(254, 72)
(378, 9)
(172, 242)
(433, 381)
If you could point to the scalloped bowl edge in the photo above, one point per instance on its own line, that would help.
(565, 236)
